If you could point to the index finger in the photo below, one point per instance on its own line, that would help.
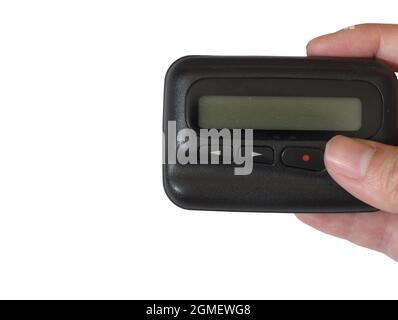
(376, 230)
(366, 41)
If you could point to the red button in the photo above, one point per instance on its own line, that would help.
(306, 157)
(303, 158)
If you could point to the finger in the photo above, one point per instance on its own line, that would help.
(377, 231)
(367, 40)
(366, 169)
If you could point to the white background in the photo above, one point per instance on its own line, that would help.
(83, 213)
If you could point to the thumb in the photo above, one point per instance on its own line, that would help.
(366, 169)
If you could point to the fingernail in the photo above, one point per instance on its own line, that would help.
(348, 157)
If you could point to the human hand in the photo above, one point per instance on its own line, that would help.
(366, 169)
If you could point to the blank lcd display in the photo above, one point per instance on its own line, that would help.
(280, 113)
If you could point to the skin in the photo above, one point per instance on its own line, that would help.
(379, 184)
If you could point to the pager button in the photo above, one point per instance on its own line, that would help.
(303, 158)
(264, 155)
